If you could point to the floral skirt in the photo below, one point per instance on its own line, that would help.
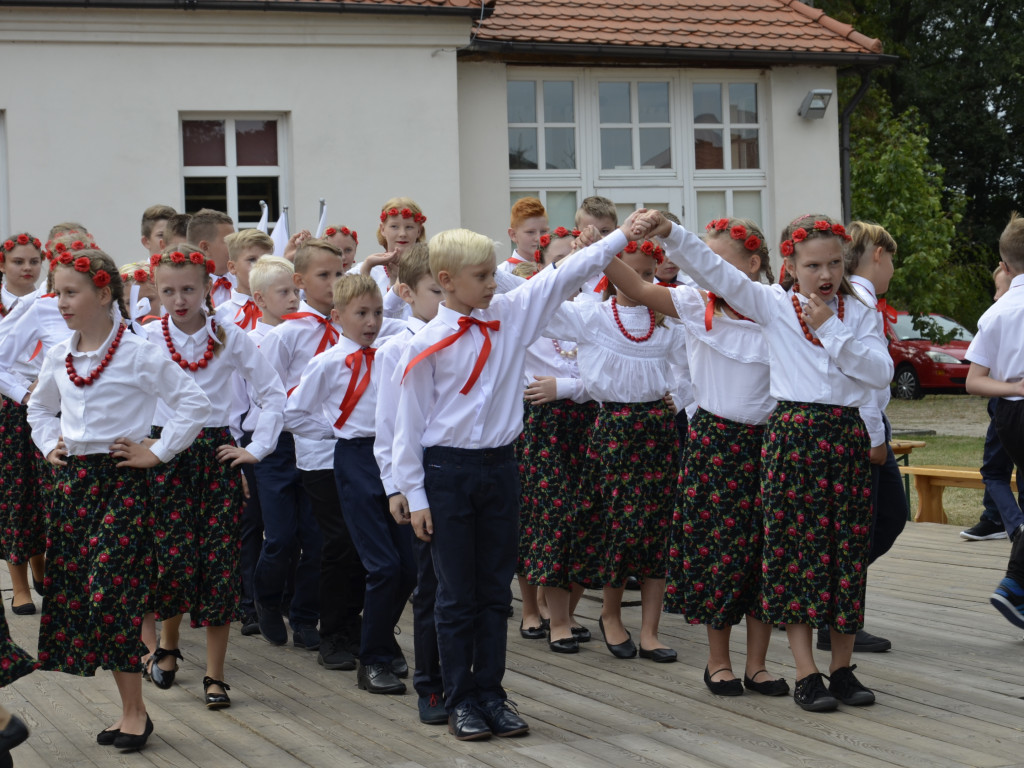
(630, 476)
(816, 491)
(99, 568)
(15, 662)
(715, 542)
(198, 506)
(550, 454)
(22, 472)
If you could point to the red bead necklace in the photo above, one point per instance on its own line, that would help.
(800, 317)
(176, 356)
(622, 328)
(84, 381)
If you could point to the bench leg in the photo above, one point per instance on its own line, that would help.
(929, 501)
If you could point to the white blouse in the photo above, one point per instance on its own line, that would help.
(872, 414)
(543, 358)
(31, 324)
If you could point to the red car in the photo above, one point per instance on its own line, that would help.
(922, 366)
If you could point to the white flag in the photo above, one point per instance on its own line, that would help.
(262, 226)
(280, 234)
(323, 219)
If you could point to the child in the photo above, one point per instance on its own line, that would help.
(175, 231)
(100, 541)
(345, 240)
(997, 370)
(244, 249)
(714, 563)
(598, 212)
(454, 458)
(142, 301)
(528, 223)
(199, 538)
(418, 288)
(815, 481)
(401, 225)
(207, 229)
(154, 223)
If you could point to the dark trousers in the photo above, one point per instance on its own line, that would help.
(341, 574)
(252, 540)
(474, 504)
(1009, 421)
(1001, 506)
(426, 678)
(889, 508)
(384, 546)
(288, 525)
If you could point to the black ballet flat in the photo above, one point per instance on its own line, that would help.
(163, 678)
(25, 609)
(582, 634)
(565, 645)
(216, 700)
(722, 687)
(107, 738)
(533, 633)
(38, 587)
(134, 741)
(777, 687)
(624, 650)
(659, 655)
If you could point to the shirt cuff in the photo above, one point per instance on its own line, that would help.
(161, 451)
(417, 498)
(259, 450)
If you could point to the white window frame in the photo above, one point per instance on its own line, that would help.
(5, 188)
(635, 125)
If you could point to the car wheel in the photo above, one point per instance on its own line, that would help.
(908, 385)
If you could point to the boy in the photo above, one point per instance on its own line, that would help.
(154, 222)
(527, 224)
(175, 231)
(244, 250)
(336, 401)
(273, 288)
(459, 412)
(207, 229)
(997, 370)
(420, 292)
(598, 212)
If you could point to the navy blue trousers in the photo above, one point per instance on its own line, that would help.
(1001, 506)
(1009, 421)
(384, 546)
(474, 504)
(889, 507)
(426, 678)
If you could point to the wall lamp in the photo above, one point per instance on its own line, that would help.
(815, 103)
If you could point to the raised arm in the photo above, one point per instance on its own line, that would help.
(626, 279)
(856, 347)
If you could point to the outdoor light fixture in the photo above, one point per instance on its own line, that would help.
(815, 103)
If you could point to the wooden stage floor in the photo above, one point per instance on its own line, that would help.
(949, 694)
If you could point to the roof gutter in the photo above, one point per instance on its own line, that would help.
(258, 5)
(844, 142)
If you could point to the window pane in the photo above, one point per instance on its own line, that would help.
(707, 103)
(522, 148)
(743, 102)
(561, 207)
(624, 210)
(707, 149)
(516, 195)
(203, 142)
(652, 101)
(744, 148)
(558, 105)
(614, 102)
(256, 142)
(616, 148)
(522, 101)
(710, 206)
(203, 192)
(560, 147)
(252, 189)
(747, 205)
(655, 148)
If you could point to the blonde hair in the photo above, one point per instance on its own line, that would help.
(171, 256)
(136, 272)
(525, 269)
(864, 235)
(203, 224)
(351, 287)
(400, 203)
(266, 270)
(98, 261)
(1011, 243)
(69, 228)
(455, 249)
(306, 251)
(714, 232)
(598, 207)
(237, 242)
(415, 265)
(152, 215)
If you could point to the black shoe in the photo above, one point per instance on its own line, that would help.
(250, 625)
(466, 723)
(533, 633)
(565, 645)
(659, 655)
(722, 687)
(271, 625)
(845, 686)
(107, 738)
(333, 655)
(38, 587)
(984, 530)
(25, 609)
(378, 678)
(812, 695)
(15, 733)
(626, 650)
(163, 678)
(633, 583)
(216, 700)
(767, 688)
(399, 666)
(864, 643)
(134, 741)
(582, 634)
(503, 717)
(431, 708)
(305, 636)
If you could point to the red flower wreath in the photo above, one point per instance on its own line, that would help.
(196, 257)
(330, 232)
(23, 239)
(60, 247)
(178, 257)
(78, 245)
(65, 258)
(545, 241)
(787, 248)
(82, 264)
(155, 259)
(822, 226)
(752, 243)
(210, 266)
(8, 245)
(840, 231)
(799, 235)
(101, 279)
(738, 232)
(631, 247)
(140, 275)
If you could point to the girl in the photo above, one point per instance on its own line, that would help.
(21, 527)
(142, 300)
(90, 413)
(200, 538)
(625, 356)
(345, 240)
(825, 359)
(401, 225)
(714, 553)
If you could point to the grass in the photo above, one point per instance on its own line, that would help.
(962, 505)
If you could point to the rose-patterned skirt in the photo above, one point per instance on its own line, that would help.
(15, 662)
(99, 567)
(628, 496)
(816, 491)
(550, 453)
(715, 542)
(198, 506)
(22, 476)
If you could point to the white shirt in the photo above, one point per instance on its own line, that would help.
(238, 358)
(431, 409)
(851, 363)
(389, 387)
(232, 311)
(380, 275)
(290, 346)
(544, 359)
(509, 264)
(40, 322)
(999, 344)
(872, 414)
(220, 293)
(120, 403)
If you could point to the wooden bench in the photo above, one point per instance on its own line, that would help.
(929, 482)
(902, 450)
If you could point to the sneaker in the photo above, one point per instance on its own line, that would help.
(845, 686)
(812, 695)
(334, 655)
(1008, 599)
(250, 624)
(305, 636)
(984, 530)
(431, 708)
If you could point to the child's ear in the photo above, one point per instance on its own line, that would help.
(335, 316)
(404, 292)
(511, 234)
(297, 279)
(231, 267)
(444, 279)
(876, 256)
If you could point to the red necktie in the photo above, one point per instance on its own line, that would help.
(247, 315)
(514, 260)
(465, 323)
(330, 336)
(602, 284)
(709, 310)
(354, 391)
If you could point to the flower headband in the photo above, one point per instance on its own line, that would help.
(177, 258)
(820, 228)
(647, 247)
(545, 240)
(332, 231)
(23, 239)
(736, 232)
(138, 275)
(405, 213)
(83, 265)
(61, 250)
